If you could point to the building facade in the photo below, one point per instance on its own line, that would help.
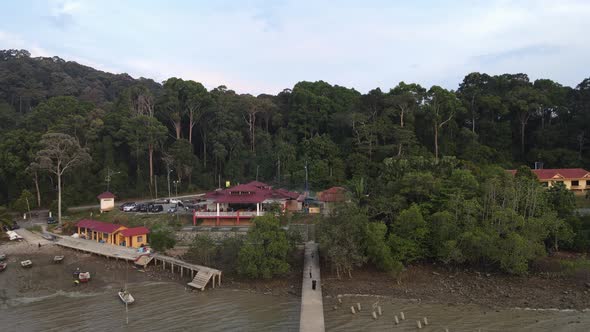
(114, 234)
(574, 179)
(236, 206)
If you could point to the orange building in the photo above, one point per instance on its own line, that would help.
(115, 234)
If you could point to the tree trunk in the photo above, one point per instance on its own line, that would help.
(36, 179)
(522, 127)
(177, 128)
(436, 142)
(473, 114)
(151, 160)
(191, 124)
(204, 138)
(59, 196)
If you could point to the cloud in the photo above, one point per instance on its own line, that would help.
(517, 53)
(13, 41)
(62, 13)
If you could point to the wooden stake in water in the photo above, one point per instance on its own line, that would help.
(396, 320)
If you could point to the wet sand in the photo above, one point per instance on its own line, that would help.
(44, 297)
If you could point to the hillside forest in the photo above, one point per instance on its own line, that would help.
(425, 165)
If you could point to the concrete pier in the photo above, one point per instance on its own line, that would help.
(312, 307)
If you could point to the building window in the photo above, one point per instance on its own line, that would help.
(140, 238)
(545, 184)
(575, 183)
(105, 235)
(588, 182)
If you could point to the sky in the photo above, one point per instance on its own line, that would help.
(266, 46)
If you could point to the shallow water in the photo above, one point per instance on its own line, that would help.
(453, 317)
(159, 306)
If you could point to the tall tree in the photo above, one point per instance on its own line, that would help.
(171, 105)
(441, 106)
(195, 100)
(60, 153)
(405, 99)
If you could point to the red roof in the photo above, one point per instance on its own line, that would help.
(252, 192)
(558, 173)
(106, 194)
(135, 231)
(334, 194)
(98, 226)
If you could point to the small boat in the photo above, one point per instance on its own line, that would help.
(58, 259)
(2, 257)
(84, 276)
(126, 297)
(26, 263)
(3, 266)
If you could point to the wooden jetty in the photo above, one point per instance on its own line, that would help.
(199, 274)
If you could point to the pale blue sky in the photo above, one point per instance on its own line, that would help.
(266, 46)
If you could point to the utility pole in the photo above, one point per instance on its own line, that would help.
(306, 178)
(168, 174)
(156, 183)
(279, 171)
(109, 176)
(257, 172)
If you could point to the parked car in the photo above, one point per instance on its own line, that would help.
(126, 206)
(156, 208)
(14, 226)
(172, 210)
(190, 206)
(129, 207)
(51, 220)
(142, 207)
(176, 201)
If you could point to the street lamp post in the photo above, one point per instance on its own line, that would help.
(108, 177)
(176, 183)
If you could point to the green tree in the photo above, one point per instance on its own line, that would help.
(24, 203)
(264, 253)
(162, 238)
(341, 239)
(441, 106)
(561, 200)
(5, 218)
(408, 235)
(377, 250)
(202, 250)
(60, 153)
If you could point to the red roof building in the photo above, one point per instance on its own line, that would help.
(116, 234)
(575, 179)
(107, 201)
(106, 194)
(98, 226)
(135, 231)
(334, 194)
(243, 202)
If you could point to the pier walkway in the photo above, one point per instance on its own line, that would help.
(312, 308)
(130, 254)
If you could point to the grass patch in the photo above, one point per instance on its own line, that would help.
(575, 265)
(35, 228)
(132, 219)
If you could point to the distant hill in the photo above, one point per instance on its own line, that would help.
(26, 81)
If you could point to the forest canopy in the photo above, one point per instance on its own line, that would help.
(141, 128)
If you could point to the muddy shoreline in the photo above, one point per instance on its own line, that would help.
(436, 284)
(422, 283)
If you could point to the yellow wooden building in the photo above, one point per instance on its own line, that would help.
(114, 234)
